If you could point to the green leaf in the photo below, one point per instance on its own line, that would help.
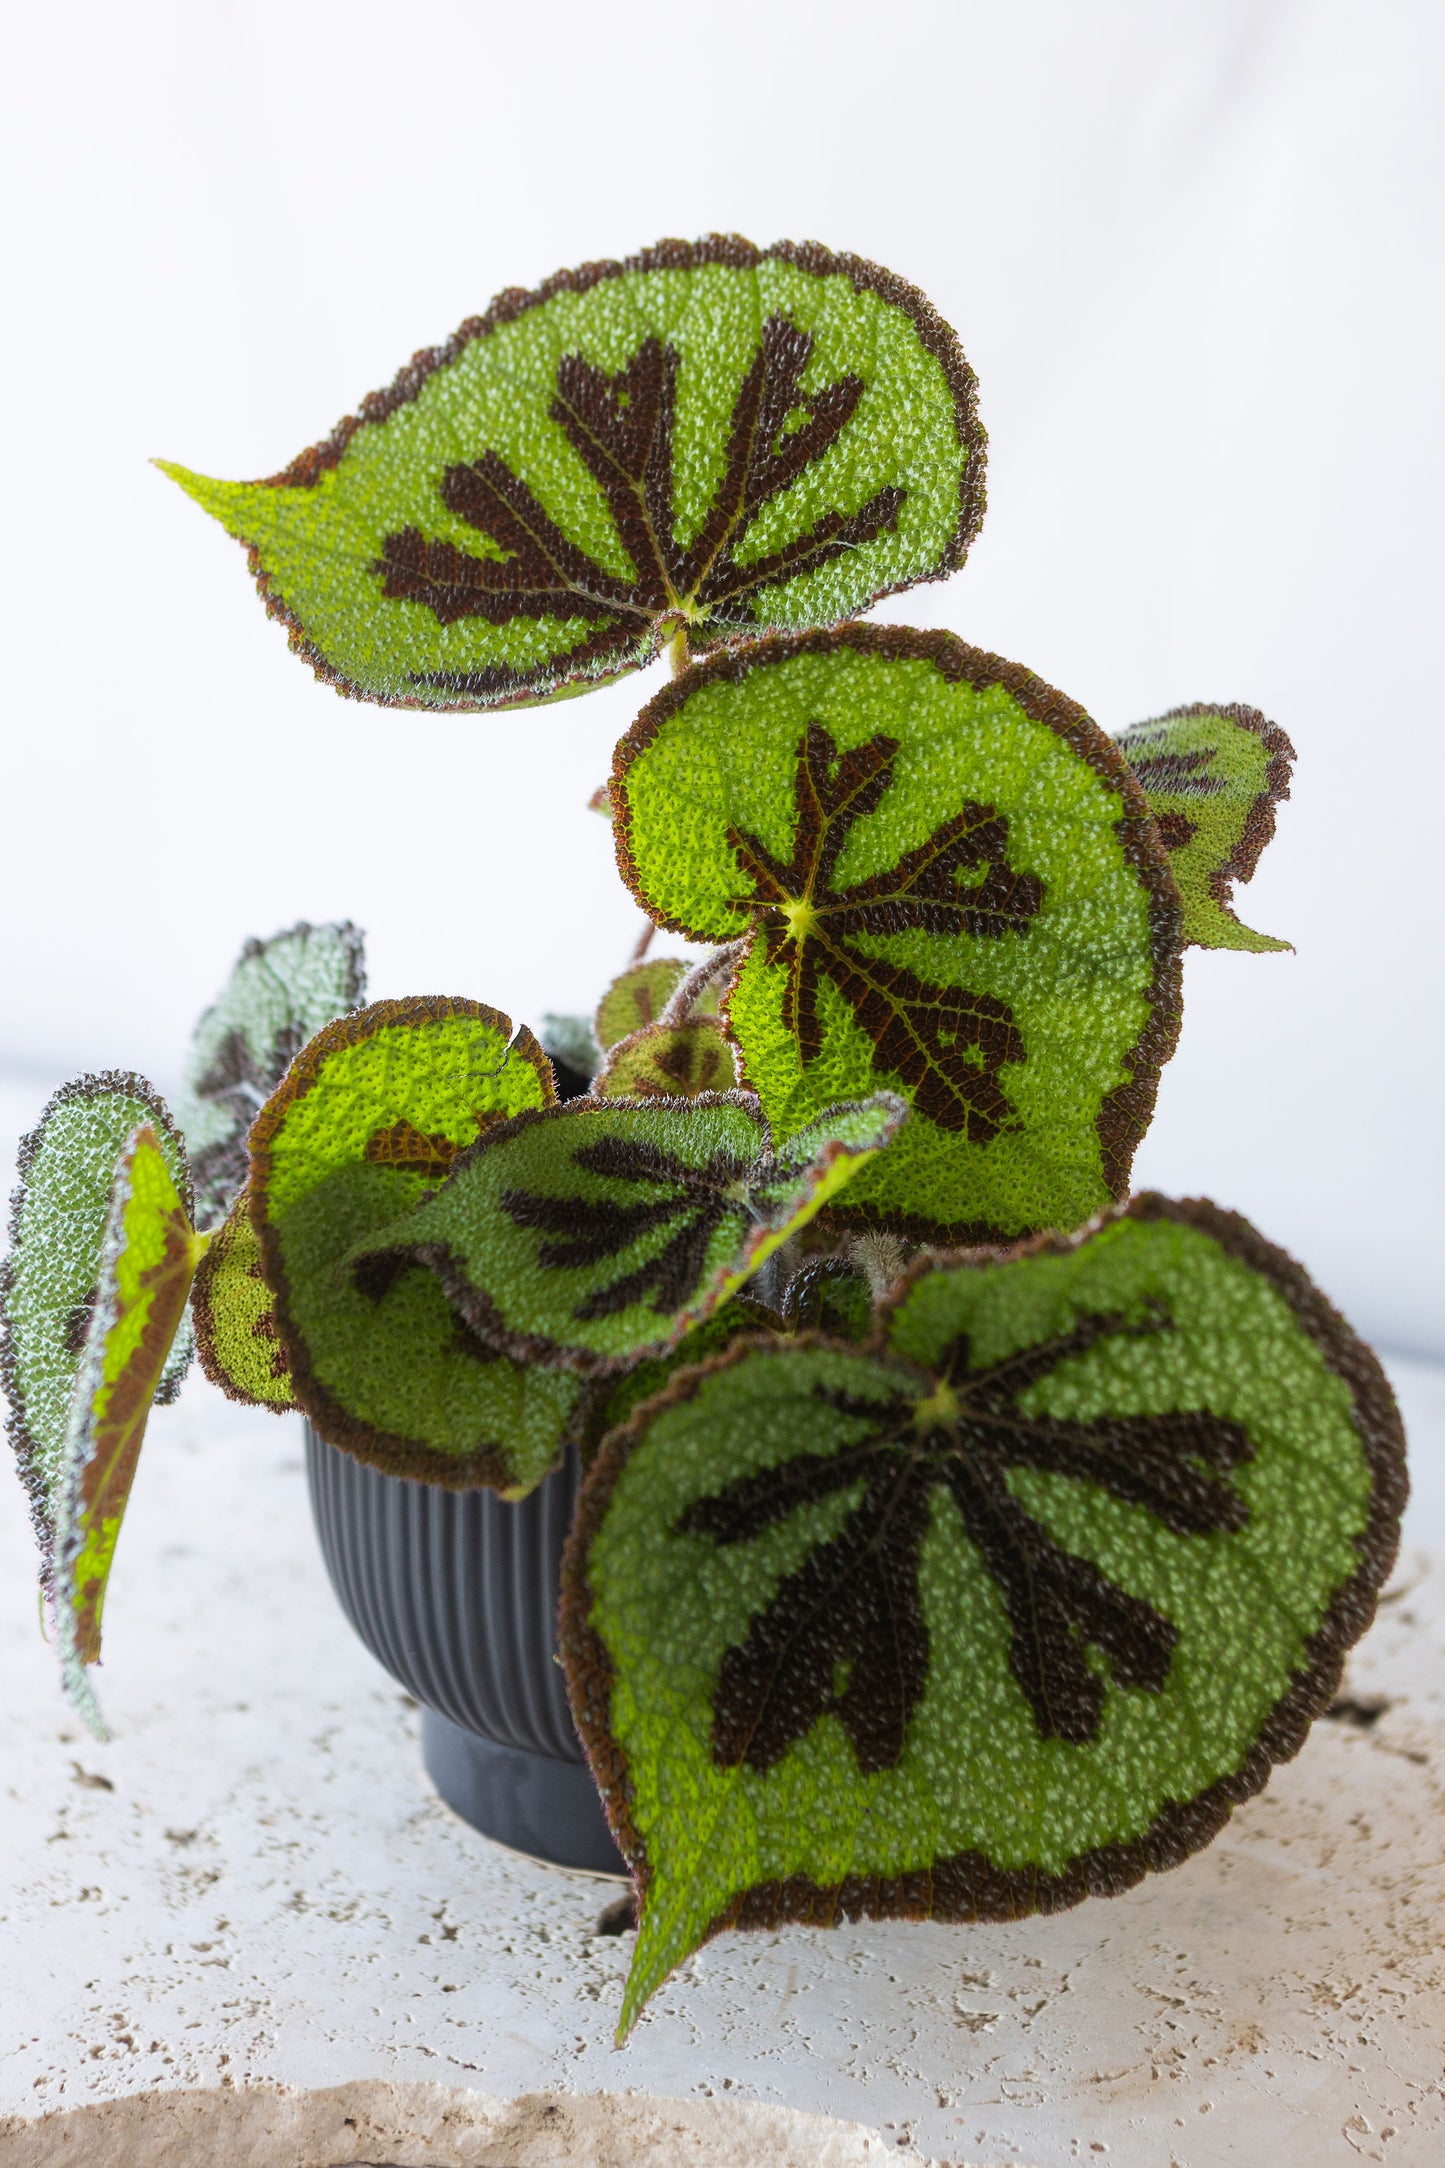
(278, 996)
(617, 1396)
(946, 881)
(669, 1061)
(601, 1231)
(235, 1318)
(637, 998)
(1213, 777)
(368, 1121)
(49, 1280)
(147, 1260)
(1003, 1612)
(708, 438)
(828, 1294)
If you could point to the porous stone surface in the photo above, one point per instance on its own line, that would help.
(253, 1887)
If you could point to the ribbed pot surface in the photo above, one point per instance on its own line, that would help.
(455, 1592)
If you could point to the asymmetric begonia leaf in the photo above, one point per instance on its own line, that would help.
(1003, 1611)
(602, 1230)
(947, 882)
(368, 1122)
(48, 1282)
(669, 1061)
(706, 438)
(278, 996)
(638, 998)
(1213, 777)
(148, 1256)
(235, 1318)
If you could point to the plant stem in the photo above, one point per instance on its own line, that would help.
(677, 653)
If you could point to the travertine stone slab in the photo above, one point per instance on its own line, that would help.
(253, 1886)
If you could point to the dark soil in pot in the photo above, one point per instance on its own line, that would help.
(455, 1592)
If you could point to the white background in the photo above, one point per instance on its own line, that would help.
(1193, 251)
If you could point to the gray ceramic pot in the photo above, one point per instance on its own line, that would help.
(455, 1592)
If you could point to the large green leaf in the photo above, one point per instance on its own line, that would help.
(1213, 777)
(278, 996)
(49, 1280)
(1004, 1611)
(707, 438)
(368, 1122)
(235, 1318)
(600, 1231)
(947, 882)
(147, 1260)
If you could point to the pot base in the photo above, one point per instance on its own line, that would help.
(532, 1802)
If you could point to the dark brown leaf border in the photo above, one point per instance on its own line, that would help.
(967, 1886)
(1125, 1112)
(386, 1450)
(515, 687)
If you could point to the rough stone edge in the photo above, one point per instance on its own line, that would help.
(376, 2123)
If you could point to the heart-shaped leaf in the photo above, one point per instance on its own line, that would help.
(602, 1230)
(1213, 777)
(49, 1280)
(669, 1061)
(707, 438)
(1004, 1611)
(235, 1318)
(946, 881)
(368, 1121)
(147, 1259)
(278, 996)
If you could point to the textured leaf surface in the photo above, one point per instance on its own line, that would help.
(1213, 777)
(946, 882)
(669, 1061)
(599, 1232)
(637, 998)
(278, 996)
(235, 1318)
(148, 1256)
(1002, 1612)
(49, 1280)
(705, 436)
(368, 1122)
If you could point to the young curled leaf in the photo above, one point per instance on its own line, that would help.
(829, 1295)
(369, 1120)
(942, 878)
(707, 437)
(278, 996)
(49, 1280)
(147, 1259)
(1213, 777)
(600, 1231)
(235, 1318)
(637, 998)
(669, 1061)
(1004, 1610)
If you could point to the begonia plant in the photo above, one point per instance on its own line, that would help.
(961, 1537)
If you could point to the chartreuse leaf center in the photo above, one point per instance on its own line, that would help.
(944, 882)
(1008, 1608)
(707, 437)
(602, 1231)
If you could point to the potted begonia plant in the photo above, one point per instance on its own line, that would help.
(957, 1536)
